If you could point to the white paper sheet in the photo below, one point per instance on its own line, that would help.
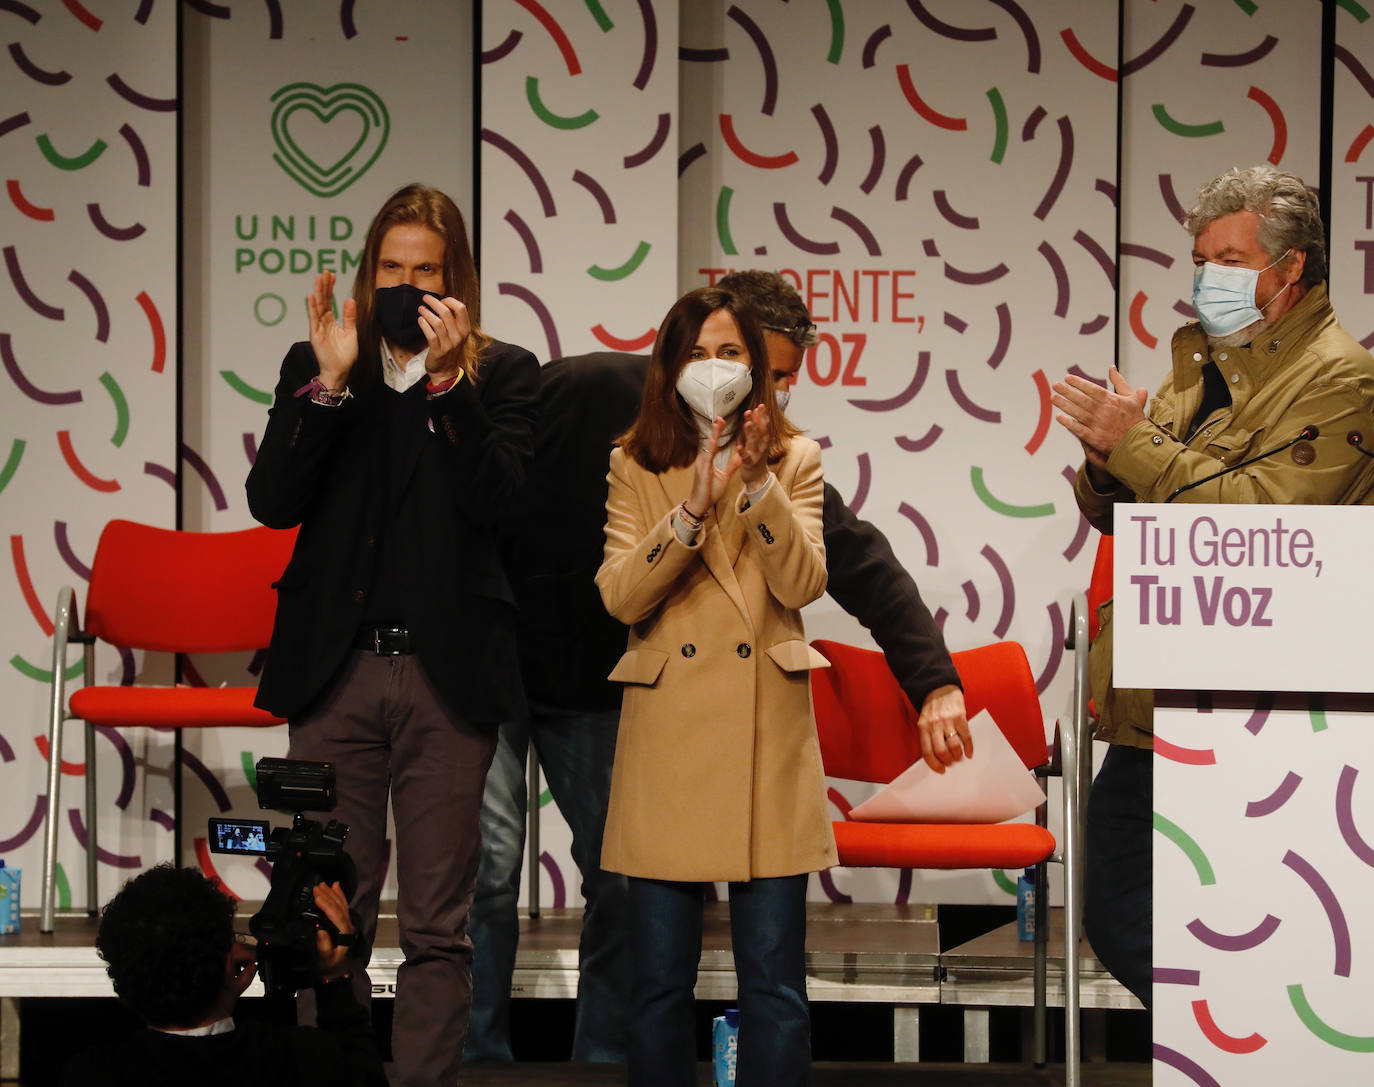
(991, 787)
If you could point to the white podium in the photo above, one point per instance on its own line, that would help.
(1264, 802)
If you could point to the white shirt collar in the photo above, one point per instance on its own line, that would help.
(219, 1026)
(402, 378)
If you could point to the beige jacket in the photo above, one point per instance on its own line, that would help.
(717, 768)
(1306, 370)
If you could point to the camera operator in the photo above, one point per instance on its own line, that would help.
(169, 944)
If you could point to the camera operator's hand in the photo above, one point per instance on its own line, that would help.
(331, 959)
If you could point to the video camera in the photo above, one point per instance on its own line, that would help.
(301, 856)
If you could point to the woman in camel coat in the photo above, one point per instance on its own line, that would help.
(713, 545)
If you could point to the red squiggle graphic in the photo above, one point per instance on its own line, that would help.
(64, 441)
(1137, 325)
(81, 13)
(1227, 1043)
(71, 769)
(763, 162)
(1188, 756)
(159, 333)
(940, 120)
(837, 798)
(560, 39)
(1358, 144)
(1042, 426)
(21, 573)
(615, 343)
(1276, 118)
(33, 211)
(207, 866)
(1085, 58)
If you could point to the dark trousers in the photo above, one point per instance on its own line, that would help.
(387, 730)
(576, 751)
(768, 934)
(1118, 908)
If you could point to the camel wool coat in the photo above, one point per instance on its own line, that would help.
(717, 768)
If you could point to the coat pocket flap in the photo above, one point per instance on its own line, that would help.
(639, 666)
(796, 656)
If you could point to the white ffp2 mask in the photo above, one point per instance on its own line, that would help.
(714, 387)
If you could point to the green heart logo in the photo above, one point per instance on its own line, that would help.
(333, 108)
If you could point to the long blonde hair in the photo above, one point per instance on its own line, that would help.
(430, 208)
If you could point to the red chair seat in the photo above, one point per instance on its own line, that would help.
(941, 845)
(171, 707)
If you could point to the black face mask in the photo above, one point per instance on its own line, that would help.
(398, 314)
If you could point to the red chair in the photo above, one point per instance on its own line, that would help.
(158, 590)
(867, 729)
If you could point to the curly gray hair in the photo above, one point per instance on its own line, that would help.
(1290, 217)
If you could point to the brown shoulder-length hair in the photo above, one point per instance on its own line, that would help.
(664, 435)
(430, 208)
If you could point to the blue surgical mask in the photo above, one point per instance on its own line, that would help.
(1224, 297)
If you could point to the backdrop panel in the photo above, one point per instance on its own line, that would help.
(939, 182)
(88, 332)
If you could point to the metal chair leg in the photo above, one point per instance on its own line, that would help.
(57, 712)
(532, 835)
(92, 837)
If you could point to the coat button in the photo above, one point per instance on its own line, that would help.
(1157, 439)
(689, 650)
(743, 649)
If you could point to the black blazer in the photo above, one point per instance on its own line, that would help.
(568, 644)
(463, 457)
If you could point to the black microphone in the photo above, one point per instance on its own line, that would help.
(1356, 442)
(1306, 434)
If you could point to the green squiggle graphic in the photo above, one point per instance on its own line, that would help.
(554, 120)
(546, 797)
(836, 31)
(12, 463)
(1352, 1043)
(1178, 128)
(599, 14)
(1247, 6)
(1354, 9)
(121, 409)
(1318, 719)
(64, 889)
(609, 275)
(1006, 509)
(62, 162)
(1190, 848)
(244, 389)
(727, 243)
(42, 675)
(1002, 880)
(999, 113)
(250, 769)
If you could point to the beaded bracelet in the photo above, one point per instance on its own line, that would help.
(690, 519)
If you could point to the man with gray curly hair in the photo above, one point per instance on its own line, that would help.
(1265, 362)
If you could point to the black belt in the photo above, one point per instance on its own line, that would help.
(384, 641)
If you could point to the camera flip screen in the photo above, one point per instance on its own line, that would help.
(239, 836)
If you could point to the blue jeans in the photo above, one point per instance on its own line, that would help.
(768, 934)
(576, 752)
(1118, 907)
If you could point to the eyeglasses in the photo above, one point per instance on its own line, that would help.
(803, 333)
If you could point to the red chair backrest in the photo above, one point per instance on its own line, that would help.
(185, 592)
(1100, 587)
(867, 725)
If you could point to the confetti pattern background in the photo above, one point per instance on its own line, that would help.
(940, 176)
(1263, 874)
